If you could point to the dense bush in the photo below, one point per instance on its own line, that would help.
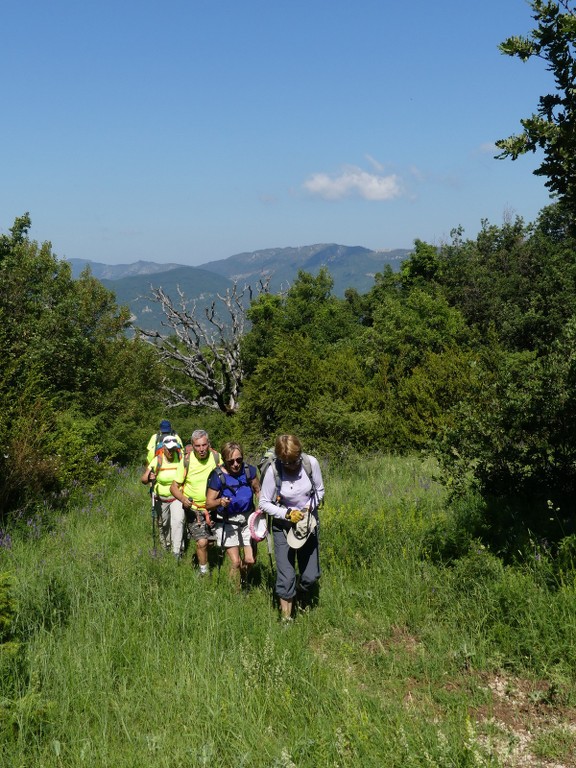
(75, 389)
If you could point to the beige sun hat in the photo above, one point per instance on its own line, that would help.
(299, 533)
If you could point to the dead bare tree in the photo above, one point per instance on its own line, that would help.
(206, 349)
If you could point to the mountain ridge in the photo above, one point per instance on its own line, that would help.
(349, 267)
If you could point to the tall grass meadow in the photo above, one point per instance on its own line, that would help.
(112, 654)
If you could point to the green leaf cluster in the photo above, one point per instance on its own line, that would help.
(73, 386)
(371, 371)
(552, 130)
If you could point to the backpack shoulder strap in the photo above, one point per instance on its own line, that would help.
(186, 462)
(275, 467)
(221, 476)
(307, 464)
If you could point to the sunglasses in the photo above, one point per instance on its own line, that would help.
(295, 463)
(235, 461)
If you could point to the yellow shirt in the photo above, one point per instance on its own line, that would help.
(197, 478)
(165, 475)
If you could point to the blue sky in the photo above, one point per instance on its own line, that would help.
(191, 130)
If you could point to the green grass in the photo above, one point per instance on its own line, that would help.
(118, 658)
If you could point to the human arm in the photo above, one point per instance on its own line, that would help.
(176, 489)
(214, 500)
(151, 449)
(149, 475)
(214, 497)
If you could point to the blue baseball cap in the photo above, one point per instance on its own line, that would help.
(165, 426)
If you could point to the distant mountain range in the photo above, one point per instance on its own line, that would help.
(349, 266)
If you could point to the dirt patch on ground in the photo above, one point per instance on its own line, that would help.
(399, 638)
(525, 725)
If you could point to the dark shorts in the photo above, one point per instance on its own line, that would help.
(196, 530)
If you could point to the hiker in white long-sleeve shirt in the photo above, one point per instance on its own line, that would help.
(292, 490)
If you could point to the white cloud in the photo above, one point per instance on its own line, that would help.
(353, 181)
(488, 148)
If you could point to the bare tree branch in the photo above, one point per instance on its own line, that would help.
(205, 349)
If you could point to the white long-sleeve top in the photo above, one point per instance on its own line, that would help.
(295, 490)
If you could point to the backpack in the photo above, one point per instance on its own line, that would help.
(222, 476)
(221, 511)
(160, 443)
(269, 460)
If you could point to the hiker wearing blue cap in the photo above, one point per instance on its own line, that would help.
(154, 447)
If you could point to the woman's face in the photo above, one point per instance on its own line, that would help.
(292, 463)
(234, 462)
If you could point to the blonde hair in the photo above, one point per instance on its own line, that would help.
(228, 449)
(288, 448)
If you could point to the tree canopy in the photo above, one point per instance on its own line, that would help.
(73, 386)
(552, 128)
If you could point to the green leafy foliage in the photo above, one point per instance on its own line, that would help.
(515, 282)
(352, 371)
(73, 386)
(7, 606)
(552, 129)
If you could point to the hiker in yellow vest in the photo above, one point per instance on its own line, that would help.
(160, 472)
(189, 487)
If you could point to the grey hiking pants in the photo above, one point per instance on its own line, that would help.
(286, 559)
(170, 523)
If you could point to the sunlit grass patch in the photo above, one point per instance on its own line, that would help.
(132, 659)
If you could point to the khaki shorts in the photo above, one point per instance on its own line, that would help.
(235, 532)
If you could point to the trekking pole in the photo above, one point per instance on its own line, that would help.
(222, 550)
(153, 498)
(269, 545)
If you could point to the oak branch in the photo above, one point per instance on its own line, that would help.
(204, 346)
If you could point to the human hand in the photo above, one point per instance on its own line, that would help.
(294, 515)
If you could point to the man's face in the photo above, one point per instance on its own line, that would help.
(201, 446)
